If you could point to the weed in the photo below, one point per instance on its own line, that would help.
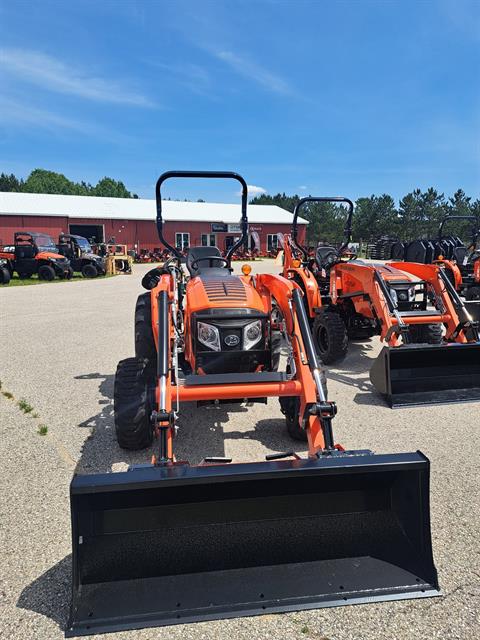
(7, 394)
(35, 415)
(25, 406)
(42, 430)
(304, 629)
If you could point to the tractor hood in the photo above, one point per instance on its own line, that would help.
(388, 273)
(206, 292)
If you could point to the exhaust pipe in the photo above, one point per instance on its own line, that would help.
(414, 374)
(175, 544)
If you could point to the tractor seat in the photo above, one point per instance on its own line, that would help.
(206, 267)
(459, 254)
(324, 256)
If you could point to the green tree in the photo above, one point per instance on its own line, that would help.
(421, 213)
(43, 181)
(110, 188)
(374, 216)
(10, 183)
(280, 200)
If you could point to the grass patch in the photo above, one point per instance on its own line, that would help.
(24, 282)
(7, 395)
(304, 629)
(25, 406)
(42, 430)
(35, 415)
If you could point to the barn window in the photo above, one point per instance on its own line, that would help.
(182, 240)
(208, 240)
(272, 242)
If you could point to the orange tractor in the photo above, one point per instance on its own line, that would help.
(433, 353)
(168, 542)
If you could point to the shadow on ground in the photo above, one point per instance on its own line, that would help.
(354, 372)
(201, 433)
(49, 594)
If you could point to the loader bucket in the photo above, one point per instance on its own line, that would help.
(159, 546)
(414, 374)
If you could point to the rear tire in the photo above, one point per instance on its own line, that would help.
(426, 333)
(144, 341)
(330, 336)
(473, 293)
(4, 275)
(24, 276)
(133, 404)
(89, 271)
(46, 272)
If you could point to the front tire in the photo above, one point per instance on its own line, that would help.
(330, 336)
(67, 275)
(132, 402)
(46, 272)
(144, 341)
(290, 407)
(4, 276)
(89, 271)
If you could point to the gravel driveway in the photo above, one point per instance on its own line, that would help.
(59, 349)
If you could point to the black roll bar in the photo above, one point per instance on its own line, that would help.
(203, 174)
(348, 225)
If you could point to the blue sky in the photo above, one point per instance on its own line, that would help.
(327, 98)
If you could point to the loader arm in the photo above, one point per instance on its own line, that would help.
(456, 316)
(282, 290)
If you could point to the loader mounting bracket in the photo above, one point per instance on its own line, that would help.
(163, 418)
(321, 409)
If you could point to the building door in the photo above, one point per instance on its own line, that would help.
(182, 240)
(209, 240)
(229, 241)
(92, 232)
(272, 242)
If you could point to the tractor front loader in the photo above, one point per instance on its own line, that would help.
(432, 350)
(168, 542)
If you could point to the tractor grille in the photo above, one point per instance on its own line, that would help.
(231, 288)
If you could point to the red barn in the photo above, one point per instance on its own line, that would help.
(132, 221)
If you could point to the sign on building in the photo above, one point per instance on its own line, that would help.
(219, 227)
(234, 228)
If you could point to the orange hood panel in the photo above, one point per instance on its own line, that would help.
(222, 293)
(48, 255)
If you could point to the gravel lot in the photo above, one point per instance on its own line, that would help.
(59, 349)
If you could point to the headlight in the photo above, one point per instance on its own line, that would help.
(208, 335)
(53, 259)
(403, 295)
(252, 333)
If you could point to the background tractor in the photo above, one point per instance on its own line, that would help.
(406, 304)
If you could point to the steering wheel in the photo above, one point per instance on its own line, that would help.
(348, 254)
(210, 258)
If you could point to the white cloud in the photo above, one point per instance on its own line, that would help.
(254, 71)
(302, 187)
(192, 76)
(253, 190)
(53, 74)
(14, 113)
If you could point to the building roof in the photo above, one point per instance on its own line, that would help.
(43, 204)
